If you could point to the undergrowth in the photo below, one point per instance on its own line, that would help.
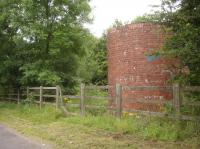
(146, 127)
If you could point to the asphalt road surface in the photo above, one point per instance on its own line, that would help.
(11, 140)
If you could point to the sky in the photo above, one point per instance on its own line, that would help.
(105, 12)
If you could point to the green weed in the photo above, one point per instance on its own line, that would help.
(29, 119)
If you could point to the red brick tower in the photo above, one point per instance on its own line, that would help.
(129, 64)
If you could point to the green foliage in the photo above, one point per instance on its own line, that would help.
(147, 18)
(117, 23)
(93, 66)
(153, 128)
(87, 63)
(182, 18)
(101, 103)
(100, 57)
(8, 65)
(32, 112)
(42, 41)
(190, 98)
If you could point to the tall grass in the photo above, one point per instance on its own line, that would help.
(152, 128)
(146, 127)
(30, 112)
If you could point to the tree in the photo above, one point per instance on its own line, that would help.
(182, 17)
(100, 57)
(49, 39)
(9, 71)
(147, 18)
(93, 66)
(87, 64)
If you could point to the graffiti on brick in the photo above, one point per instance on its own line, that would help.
(152, 57)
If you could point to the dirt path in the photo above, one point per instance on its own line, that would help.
(11, 140)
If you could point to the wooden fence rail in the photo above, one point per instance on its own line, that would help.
(176, 102)
(150, 88)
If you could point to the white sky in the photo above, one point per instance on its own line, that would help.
(105, 12)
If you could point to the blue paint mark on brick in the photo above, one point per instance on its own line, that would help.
(151, 58)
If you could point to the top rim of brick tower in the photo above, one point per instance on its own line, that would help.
(132, 26)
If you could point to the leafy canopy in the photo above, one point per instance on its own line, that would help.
(42, 40)
(182, 17)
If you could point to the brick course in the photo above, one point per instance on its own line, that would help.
(128, 63)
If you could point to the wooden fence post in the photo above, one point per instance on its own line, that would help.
(27, 92)
(18, 96)
(9, 95)
(118, 100)
(60, 95)
(82, 104)
(57, 96)
(176, 98)
(41, 96)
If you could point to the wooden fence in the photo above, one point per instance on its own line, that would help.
(15, 96)
(176, 102)
(83, 98)
(41, 94)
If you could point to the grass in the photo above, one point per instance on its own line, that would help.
(91, 102)
(98, 131)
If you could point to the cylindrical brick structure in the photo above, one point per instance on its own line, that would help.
(130, 65)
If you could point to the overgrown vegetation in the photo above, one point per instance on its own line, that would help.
(184, 44)
(29, 119)
(93, 66)
(45, 43)
(181, 19)
(97, 106)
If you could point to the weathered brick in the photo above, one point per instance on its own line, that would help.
(128, 63)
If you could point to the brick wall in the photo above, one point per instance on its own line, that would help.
(129, 64)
